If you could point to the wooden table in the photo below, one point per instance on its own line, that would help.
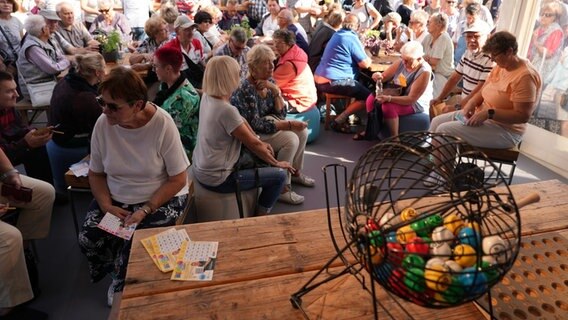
(24, 106)
(262, 261)
(381, 62)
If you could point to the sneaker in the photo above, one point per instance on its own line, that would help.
(433, 180)
(110, 292)
(291, 197)
(303, 180)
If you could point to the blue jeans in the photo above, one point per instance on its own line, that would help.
(347, 87)
(138, 33)
(60, 160)
(271, 180)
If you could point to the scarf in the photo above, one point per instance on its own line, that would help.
(166, 92)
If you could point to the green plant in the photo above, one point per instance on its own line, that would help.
(110, 41)
(244, 25)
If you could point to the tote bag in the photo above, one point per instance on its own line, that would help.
(40, 93)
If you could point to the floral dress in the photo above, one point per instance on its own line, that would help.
(254, 108)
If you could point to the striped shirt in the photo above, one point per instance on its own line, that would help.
(473, 67)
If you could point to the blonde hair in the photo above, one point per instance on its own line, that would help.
(222, 76)
(87, 64)
(258, 54)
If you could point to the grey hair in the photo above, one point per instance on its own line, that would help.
(287, 36)
(420, 15)
(287, 13)
(412, 49)
(239, 35)
(258, 54)
(34, 24)
(441, 18)
(61, 4)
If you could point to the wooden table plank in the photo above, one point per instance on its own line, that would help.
(269, 298)
(280, 253)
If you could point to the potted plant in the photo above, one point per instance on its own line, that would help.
(109, 44)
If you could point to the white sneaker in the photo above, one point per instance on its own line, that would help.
(110, 292)
(303, 180)
(291, 197)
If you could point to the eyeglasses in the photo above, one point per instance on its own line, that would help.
(104, 10)
(237, 47)
(548, 15)
(113, 107)
(494, 56)
(450, 2)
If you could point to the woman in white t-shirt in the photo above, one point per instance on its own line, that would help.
(137, 172)
(369, 17)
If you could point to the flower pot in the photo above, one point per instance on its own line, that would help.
(374, 50)
(111, 56)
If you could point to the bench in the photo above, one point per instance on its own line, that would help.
(501, 158)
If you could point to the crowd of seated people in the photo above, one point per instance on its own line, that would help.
(209, 68)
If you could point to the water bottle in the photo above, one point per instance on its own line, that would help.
(379, 88)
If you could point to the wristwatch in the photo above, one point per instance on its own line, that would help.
(490, 113)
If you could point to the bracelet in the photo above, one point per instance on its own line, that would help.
(146, 209)
(8, 173)
(289, 125)
(390, 98)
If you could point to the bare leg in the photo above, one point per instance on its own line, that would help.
(351, 109)
(392, 124)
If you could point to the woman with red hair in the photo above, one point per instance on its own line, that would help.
(177, 96)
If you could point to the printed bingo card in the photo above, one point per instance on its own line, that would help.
(164, 246)
(196, 261)
(114, 225)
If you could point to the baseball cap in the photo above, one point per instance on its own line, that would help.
(183, 22)
(478, 26)
(49, 15)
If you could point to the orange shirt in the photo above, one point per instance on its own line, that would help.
(503, 88)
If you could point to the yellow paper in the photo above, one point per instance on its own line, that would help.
(402, 80)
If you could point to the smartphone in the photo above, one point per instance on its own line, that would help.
(460, 117)
(22, 194)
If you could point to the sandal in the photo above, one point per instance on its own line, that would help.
(359, 136)
(340, 127)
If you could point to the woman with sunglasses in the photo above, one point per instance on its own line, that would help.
(109, 20)
(137, 173)
(74, 111)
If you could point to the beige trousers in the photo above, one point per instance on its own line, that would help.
(35, 216)
(15, 287)
(289, 146)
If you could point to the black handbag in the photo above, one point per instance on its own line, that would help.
(374, 122)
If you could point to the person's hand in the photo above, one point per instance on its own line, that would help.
(435, 102)
(135, 218)
(448, 108)
(315, 11)
(298, 125)
(3, 208)
(377, 76)
(93, 45)
(382, 98)
(36, 139)
(13, 179)
(476, 119)
(285, 165)
(269, 148)
(117, 211)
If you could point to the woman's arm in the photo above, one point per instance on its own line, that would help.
(388, 74)
(262, 150)
(375, 14)
(88, 9)
(417, 88)
(39, 58)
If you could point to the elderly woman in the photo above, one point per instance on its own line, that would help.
(10, 37)
(177, 96)
(204, 22)
(109, 20)
(215, 35)
(156, 29)
(220, 142)
(416, 29)
(292, 73)
(38, 60)
(439, 50)
(411, 73)
(547, 40)
(496, 116)
(137, 173)
(74, 110)
(260, 101)
(391, 22)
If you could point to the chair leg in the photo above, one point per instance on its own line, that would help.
(327, 112)
(512, 173)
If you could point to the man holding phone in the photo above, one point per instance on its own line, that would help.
(22, 144)
(18, 273)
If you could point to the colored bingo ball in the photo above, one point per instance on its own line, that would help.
(375, 238)
(377, 256)
(442, 234)
(441, 250)
(496, 247)
(371, 225)
(473, 281)
(469, 236)
(434, 221)
(404, 234)
(465, 255)
(418, 246)
(420, 228)
(453, 223)
(414, 280)
(395, 252)
(437, 278)
(408, 214)
(413, 261)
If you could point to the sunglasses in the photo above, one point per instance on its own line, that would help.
(113, 107)
(104, 10)
(548, 15)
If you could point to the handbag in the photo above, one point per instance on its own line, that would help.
(248, 160)
(374, 122)
(392, 89)
(40, 93)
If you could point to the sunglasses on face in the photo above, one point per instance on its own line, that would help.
(113, 107)
(548, 15)
(103, 11)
